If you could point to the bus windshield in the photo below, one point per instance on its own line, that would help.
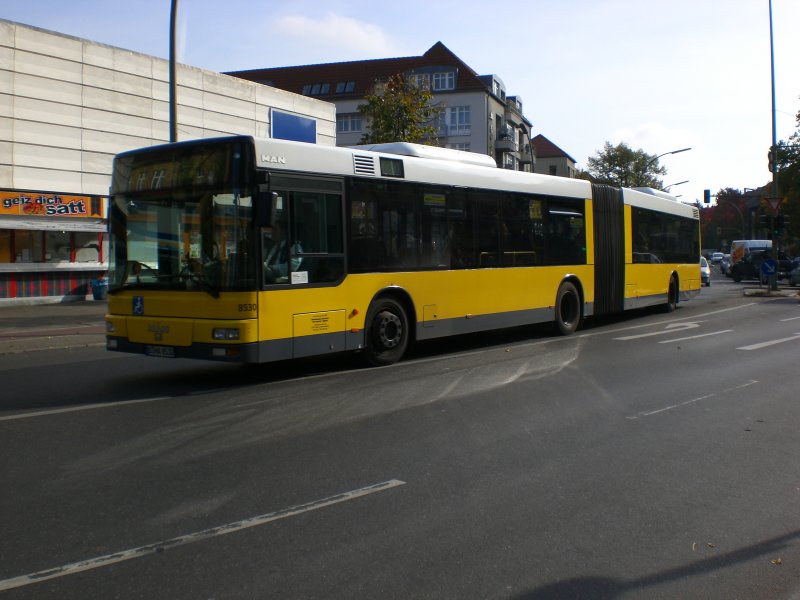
(167, 235)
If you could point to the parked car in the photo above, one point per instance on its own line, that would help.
(794, 276)
(750, 266)
(725, 265)
(705, 272)
(716, 257)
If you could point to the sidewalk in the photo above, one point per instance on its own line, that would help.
(52, 326)
(765, 292)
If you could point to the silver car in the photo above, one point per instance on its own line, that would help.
(705, 272)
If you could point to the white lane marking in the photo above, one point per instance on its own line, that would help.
(191, 538)
(58, 411)
(692, 401)
(671, 328)
(693, 337)
(796, 336)
(789, 319)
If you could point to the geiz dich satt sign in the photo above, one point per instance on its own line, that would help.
(33, 204)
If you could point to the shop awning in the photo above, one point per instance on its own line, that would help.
(45, 224)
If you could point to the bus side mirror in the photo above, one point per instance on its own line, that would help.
(262, 208)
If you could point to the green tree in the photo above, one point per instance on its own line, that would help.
(788, 163)
(620, 165)
(398, 111)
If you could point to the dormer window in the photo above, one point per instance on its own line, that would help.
(421, 81)
(316, 89)
(444, 80)
(345, 87)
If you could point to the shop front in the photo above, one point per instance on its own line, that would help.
(52, 246)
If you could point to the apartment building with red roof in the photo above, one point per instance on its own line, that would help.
(478, 116)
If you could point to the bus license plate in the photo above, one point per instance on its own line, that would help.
(163, 351)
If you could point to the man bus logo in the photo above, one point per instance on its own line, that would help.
(280, 160)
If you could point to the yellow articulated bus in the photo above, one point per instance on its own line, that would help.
(256, 250)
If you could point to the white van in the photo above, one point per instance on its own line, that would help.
(740, 248)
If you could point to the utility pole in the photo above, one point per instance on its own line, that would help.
(173, 109)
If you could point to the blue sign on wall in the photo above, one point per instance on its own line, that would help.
(286, 126)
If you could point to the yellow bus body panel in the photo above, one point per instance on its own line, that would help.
(454, 294)
(200, 315)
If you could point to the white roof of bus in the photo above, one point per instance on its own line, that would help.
(310, 158)
(421, 151)
(658, 200)
(437, 166)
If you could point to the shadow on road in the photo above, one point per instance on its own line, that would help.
(602, 588)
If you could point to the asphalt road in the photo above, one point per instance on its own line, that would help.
(651, 456)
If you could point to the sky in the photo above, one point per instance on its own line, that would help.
(659, 75)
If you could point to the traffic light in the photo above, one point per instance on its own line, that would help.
(707, 196)
(771, 161)
(778, 222)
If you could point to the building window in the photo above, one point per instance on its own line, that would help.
(553, 170)
(463, 146)
(345, 87)
(422, 81)
(444, 81)
(32, 246)
(458, 120)
(348, 123)
(510, 161)
(316, 89)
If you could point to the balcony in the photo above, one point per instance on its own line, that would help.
(507, 141)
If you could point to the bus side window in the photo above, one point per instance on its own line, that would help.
(461, 223)
(490, 229)
(317, 239)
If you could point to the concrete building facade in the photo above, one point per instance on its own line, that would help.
(67, 106)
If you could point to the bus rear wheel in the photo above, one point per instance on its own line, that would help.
(387, 333)
(672, 295)
(568, 308)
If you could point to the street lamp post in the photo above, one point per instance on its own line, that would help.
(655, 160)
(773, 280)
(674, 184)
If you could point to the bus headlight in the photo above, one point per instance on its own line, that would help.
(110, 327)
(221, 333)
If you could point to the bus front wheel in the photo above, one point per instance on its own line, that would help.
(568, 308)
(387, 333)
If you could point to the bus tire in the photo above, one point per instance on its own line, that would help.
(387, 333)
(568, 308)
(672, 295)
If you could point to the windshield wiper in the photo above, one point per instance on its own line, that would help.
(201, 279)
